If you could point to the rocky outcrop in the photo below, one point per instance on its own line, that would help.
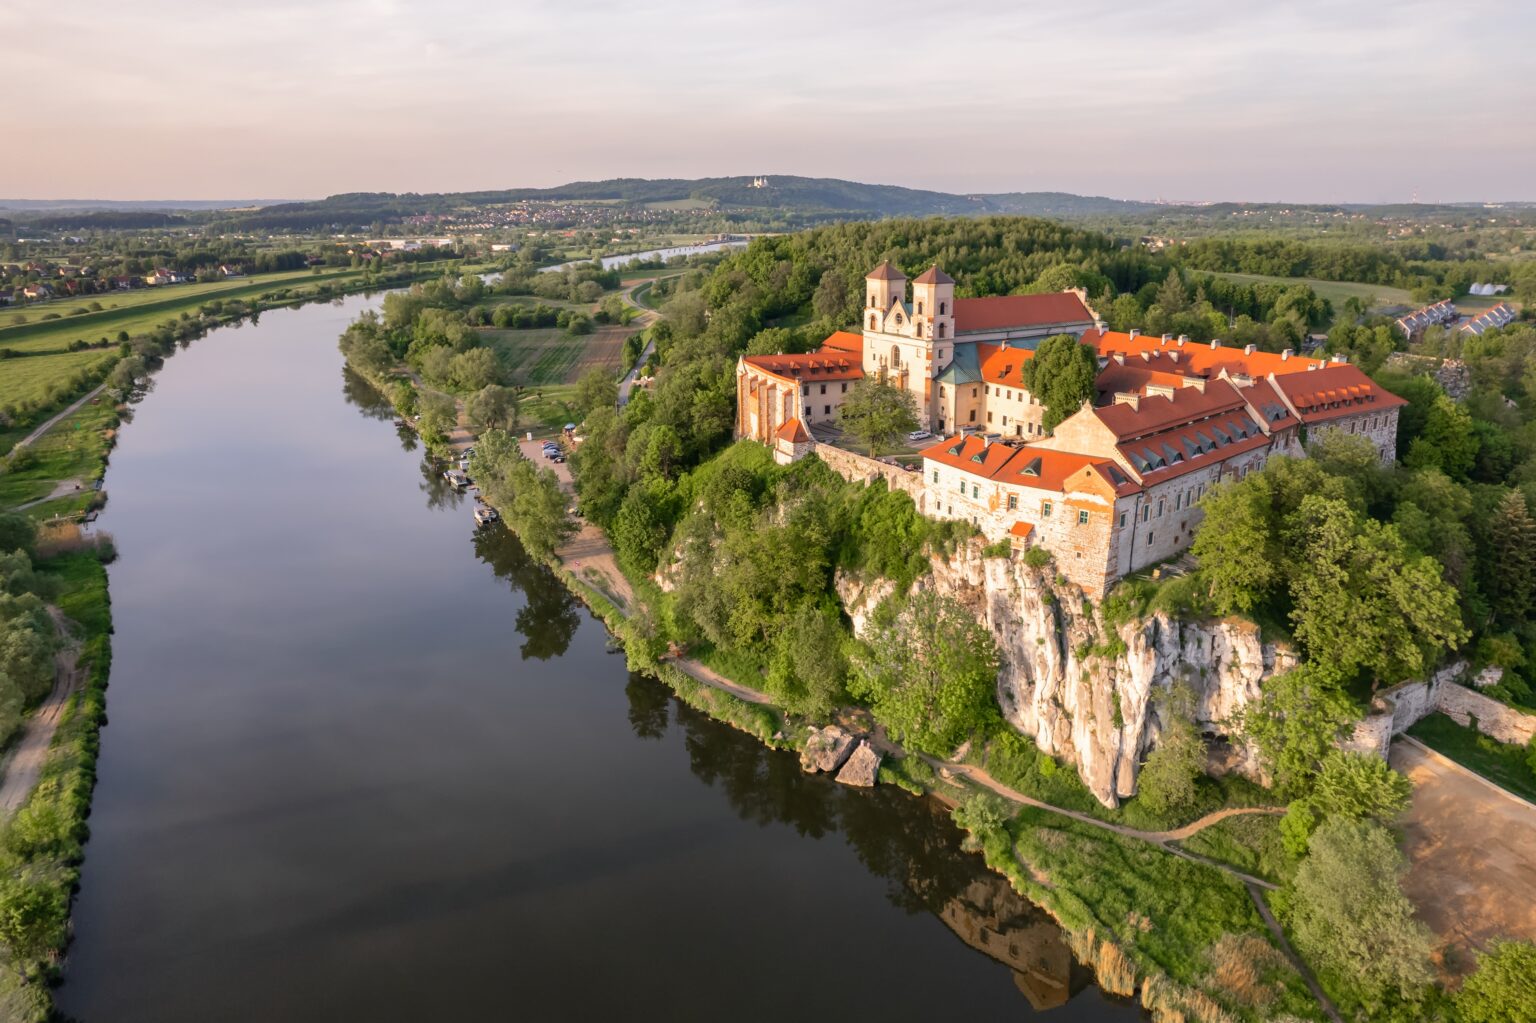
(1086, 693)
(862, 768)
(827, 749)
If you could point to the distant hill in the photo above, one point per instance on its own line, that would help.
(131, 205)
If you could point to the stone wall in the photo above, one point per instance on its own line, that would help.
(1398, 709)
(859, 469)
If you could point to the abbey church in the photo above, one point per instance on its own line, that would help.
(1116, 486)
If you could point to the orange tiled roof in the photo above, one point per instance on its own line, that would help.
(1004, 311)
(1334, 391)
(1022, 528)
(1155, 413)
(1001, 365)
(843, 341)
(793, 431)
(807, 367)
(1026, 466)
(1195, 358)
(973, 454)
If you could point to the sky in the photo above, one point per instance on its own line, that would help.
(1194, 99)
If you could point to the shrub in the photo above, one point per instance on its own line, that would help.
(1037, 557)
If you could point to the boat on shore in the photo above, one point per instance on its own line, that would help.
(485, 515)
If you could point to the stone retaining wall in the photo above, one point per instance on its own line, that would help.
(859, 469)
(1395, 710)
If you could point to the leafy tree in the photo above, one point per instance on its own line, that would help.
(1061, 376)
(1361, 599)
(1295, 722)
(17, 533)
(1350, 786)
(1237, 546)
(1448, 441)
(929, 670)
(493, 407)
(1350, 916)
(439, 413)
(1503, 990)
(643, 523)
(596, 389)
(32, 918)
(1167, 781)
(475, 369)
(808, 668)
(877, 412)
(538, 509)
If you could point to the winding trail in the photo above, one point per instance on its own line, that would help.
(22, 767)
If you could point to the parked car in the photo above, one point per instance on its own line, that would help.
(919, 435)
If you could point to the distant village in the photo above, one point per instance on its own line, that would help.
(1116, 486)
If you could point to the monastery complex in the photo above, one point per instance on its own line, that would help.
(1116, 486)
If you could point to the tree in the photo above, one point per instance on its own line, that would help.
(929, 669)
(17, 533)
(32, 918)
(1503, 990)
(538, 509)
(1296, 721)
(475, 369)
(493, 407)
(439, 412)
(876, 412)
(1167, 781)
(1448, 441)
(808, 667)
(1350, 786)
(1061, 375)
(1350, 916)
(596, 389)
(1362, 600)
(1237, 546)
(1512, 536)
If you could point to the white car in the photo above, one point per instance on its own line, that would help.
(919, 435)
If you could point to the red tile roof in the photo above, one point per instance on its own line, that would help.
(1043, 468)
(1133, 378)
(885, 272)
(1004, 311)
(1026, 466)
(808, 367)
(1195, 358)
(844, 341)
(793, 431)
(1000, 365)
(1155, 412)
(973, 454)
(1021, 528)
(1337, 390)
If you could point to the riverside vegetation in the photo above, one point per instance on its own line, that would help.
(736, 559)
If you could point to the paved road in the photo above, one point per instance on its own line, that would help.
(25, 762)
(71, 410)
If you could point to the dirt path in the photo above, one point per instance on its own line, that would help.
(51, 423)
(63, 488)
(25, 762)
(699, 672)
(1471, 851)
(586, 553)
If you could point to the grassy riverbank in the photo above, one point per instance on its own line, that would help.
(42, 846)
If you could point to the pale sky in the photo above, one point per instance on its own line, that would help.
(1200, 99)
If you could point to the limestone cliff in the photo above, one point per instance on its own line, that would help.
(1071, 687)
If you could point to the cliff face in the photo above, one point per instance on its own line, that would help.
(1070, 687)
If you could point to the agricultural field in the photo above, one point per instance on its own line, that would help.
(548, 355)
(137, 311)
(1380, 296)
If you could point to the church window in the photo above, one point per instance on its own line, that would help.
(898, 319)
(941, 327)
(941, 308)
(871, 322)
(919, 308)
(896, 353)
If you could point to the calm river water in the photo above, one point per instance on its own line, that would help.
(365, 764)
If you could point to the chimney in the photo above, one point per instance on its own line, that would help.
(1135, 332)
(1167, 338)
(1128, 398)
(1182, 339)
(1215, 342)
(1286, 354)
(1248, 349)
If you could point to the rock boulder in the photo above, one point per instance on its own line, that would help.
(862, 768)
(827, 749)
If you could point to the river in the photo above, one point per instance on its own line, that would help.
(364, 763)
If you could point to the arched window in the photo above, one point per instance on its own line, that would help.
(941, 330)
(941, 308)
(895, 355)
(871, 321)
(919, 308)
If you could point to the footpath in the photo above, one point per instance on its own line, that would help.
(22, 767)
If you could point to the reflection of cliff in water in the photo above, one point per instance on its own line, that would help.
(911, 843)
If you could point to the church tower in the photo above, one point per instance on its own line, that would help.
(933, 305)
(883, 286)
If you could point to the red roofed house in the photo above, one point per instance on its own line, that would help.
(773, 390)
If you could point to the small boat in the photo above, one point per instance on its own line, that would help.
(485, 515)
(456, 479)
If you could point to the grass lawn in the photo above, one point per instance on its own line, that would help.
(547, 409)
(1250, 843)
(73, 448)
(1380, 295)
(1506, 765)
(29, 378)
(140, 311)
(543, 356)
